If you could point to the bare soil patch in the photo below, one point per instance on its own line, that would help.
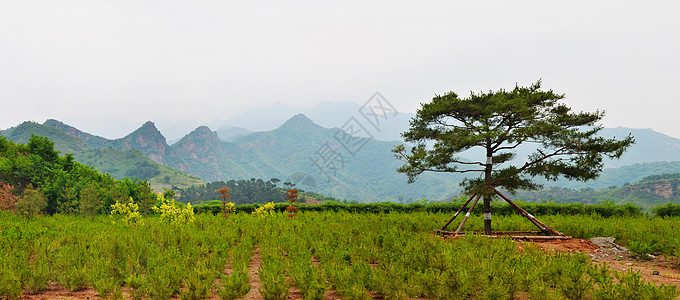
(56, 292)
(253, 273)
(571, 246)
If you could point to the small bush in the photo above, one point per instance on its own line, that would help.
(172, 213)
(666, 210)
(234, 286)
(127, 213)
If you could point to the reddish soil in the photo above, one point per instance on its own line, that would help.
(55, 292)
(253, 273)
(571, 246)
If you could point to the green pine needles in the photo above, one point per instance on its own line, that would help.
(566, 142)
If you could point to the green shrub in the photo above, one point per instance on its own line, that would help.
(137, 285)
(234, 286)
(10, 284)
(666, 210)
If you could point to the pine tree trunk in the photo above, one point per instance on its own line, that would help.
(487, 212)
(487, 197)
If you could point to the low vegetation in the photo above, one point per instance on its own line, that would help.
(316, 252)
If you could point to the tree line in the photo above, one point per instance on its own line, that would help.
(241, 191)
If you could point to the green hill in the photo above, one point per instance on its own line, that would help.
(134, 163)
(649, 191)
(91, 141)
(63, 142)
(99, 154)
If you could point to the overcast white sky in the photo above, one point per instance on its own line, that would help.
(93, 63)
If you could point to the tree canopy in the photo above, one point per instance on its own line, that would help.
(566, 143)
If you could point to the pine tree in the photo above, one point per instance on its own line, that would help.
(566, 142)
(90, 201)
(33, 202)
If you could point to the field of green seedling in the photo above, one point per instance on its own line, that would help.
(352, 255)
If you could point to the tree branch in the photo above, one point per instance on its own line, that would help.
(468, 162)
(509, 147)
(451, 171)
(546, 156)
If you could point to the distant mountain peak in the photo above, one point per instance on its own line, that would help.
(66, 127)
(148, 129)
(149, 125)
(149, 140)
(202, 130)
(203, 133)
(301, 118)
(90, 140)
(59, 124)
(299, 121)
(200, 147)
(48, 122)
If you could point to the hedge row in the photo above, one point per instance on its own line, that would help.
(666, 210)
(605, 209)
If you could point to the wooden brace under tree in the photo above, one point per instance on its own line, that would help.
(544, 229)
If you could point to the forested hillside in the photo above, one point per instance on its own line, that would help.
(34, 178)
(649, 191)
(107, 156)
(133, 163)
(240, 192)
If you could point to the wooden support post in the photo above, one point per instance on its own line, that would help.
(540, 237)
(467, 215)
(532, 237)
(531, 218)
(458, 212)
(517, 232)
(523, 212)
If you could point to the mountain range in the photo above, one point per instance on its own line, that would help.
(316, 158)
(325, 114)
(298, 151)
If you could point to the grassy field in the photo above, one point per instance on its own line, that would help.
(317, 254)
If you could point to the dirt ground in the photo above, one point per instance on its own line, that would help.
(657, 269)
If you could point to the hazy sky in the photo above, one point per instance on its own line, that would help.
(93, 63)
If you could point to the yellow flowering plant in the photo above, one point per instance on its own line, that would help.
(126, 212)
(229, 207)
(265, 210)
(171, 212)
